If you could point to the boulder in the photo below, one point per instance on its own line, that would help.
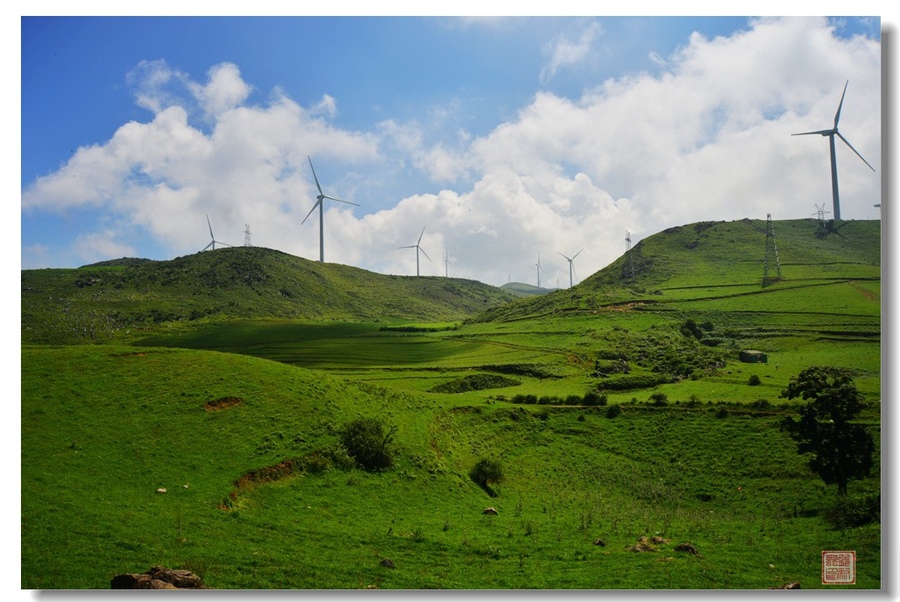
(686, 547)
(157, 578)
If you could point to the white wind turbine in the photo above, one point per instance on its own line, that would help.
(570, 260)
(539, 270)
(320, 202)
(417, 248)
(213, 241)
(831, 133)
(446, 262)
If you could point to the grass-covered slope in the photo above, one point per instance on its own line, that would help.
(718, 259)
(95, 302)
(134, 457)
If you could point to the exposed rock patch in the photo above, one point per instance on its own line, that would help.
(157, 578)
(222, 403)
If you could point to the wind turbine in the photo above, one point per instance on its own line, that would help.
(570, 260)
(539, 270)
(831, 133)
(446, 262)
(418, 248)
(320, 201)
(212, 244)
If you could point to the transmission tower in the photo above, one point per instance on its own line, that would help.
(247, 234)
(771, 251)
(820, 215)
(629, 259)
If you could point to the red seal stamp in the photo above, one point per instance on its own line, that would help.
(838, 568)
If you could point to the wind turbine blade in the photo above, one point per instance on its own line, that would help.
(210, 227)
(310, 212)
(209, 245)
(408, 247)
(819, 132)
(854, 150)
(325, 196)
(421, 235)
(837, 116)
(576, 254)
(567, 258)
(314, 174)
(423, 252)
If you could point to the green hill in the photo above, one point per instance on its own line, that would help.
(620, 410)
(715, 259)
(522, 289)
(94, 302)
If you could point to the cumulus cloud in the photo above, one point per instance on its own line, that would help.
(705, 138)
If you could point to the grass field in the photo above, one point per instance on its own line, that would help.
(208, 441)
(115, 424)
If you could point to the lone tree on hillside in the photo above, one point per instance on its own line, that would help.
(368, 444)
(485, 472)
(841, 450)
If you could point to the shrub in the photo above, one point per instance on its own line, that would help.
(659, 399)
(592, 398)
(613, 410)
(485, 472)
(368, 444)
(854, 511)
(753, 380)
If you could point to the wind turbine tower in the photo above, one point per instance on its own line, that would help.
(831, 133)
(247, 234)
(320, 202)
(629, 260)
(446, 263)
(571, 269)
(418, 248)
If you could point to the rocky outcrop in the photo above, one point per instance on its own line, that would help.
(157, 578)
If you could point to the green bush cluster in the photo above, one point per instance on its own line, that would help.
(475, 382)
(486, 472)
(591, 398)
(854, 511)
(368, 444)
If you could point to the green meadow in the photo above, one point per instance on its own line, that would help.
(637, 450)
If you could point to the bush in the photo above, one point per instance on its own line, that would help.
(368, 444)
(613, 410)
(854, 511)
(485, 472)
(659, 399)
(753, 380)
(592, 398)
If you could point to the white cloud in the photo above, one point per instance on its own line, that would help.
(224, 91)
(707, 138)
(564, 52)
(99, 246)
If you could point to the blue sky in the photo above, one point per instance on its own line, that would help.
(505, 138)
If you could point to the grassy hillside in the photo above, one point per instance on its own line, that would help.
(717, 259)
(522, 289)
(618, 409)
(98, 302)
(133, 458)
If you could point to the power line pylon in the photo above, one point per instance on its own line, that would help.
(771, 251)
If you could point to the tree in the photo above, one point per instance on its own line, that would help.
(841, 450)
(368, 444)
(485, 472)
